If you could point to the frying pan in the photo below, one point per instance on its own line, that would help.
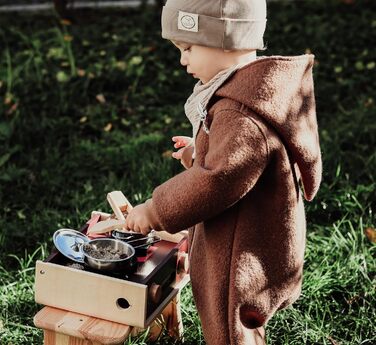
(137, 240)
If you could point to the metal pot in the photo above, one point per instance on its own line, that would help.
(71, 243)
(126, 263)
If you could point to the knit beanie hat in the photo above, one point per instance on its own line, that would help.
(226, 24)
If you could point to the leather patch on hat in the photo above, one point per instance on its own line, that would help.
(188, 21)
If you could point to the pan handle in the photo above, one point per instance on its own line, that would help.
(147, 243)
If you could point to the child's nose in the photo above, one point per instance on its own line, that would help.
(183, 60)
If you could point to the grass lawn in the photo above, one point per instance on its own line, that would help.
(89, 108)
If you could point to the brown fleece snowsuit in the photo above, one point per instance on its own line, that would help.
(241, 197)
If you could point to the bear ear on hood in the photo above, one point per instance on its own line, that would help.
(280, 90)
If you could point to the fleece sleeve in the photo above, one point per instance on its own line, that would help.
(236, 157)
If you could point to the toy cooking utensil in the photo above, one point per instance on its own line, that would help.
(68, 242)
(79, 248)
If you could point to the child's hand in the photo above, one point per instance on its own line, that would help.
(180, 143)
(138, 220)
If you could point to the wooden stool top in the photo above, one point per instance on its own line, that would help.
(81, 326)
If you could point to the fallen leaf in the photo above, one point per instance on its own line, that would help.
(68, 38)
(83, 119)
(121, 65)
(108, 127)
(100, 98)
(65, 22)
(353, 299)
(8, 99)
(370, 234)
(332, 341)
(368, 103)
(167, 154)
(81, 72)
(12, 109)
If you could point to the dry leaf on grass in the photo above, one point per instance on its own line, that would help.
(65, 22)
(332, 341)
(81, 72)
(108, 127)
(371, 234)
(100, 98)
(12, 109)
(167, 154)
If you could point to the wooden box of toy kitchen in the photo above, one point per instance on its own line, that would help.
(135, 302)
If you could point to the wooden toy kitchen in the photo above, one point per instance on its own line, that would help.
(102, 283)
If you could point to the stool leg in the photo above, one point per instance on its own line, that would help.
(175, 323)
(49, 337)
(170, 319)
(54, 338)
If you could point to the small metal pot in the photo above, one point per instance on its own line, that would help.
(71, 244)
(127, 263)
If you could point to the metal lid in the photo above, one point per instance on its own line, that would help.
(69, 243)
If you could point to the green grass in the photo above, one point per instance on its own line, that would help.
(62, 149)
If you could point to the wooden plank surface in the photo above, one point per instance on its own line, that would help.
(80, 326)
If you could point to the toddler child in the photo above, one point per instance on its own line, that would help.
(254, 148)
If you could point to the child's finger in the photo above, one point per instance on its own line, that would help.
(179, 144)
(178, 154)
(183, 139)
(128, 224)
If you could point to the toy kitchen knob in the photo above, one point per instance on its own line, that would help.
(183, 263)
(155, 293)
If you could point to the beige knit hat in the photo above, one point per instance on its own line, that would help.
(227, 24)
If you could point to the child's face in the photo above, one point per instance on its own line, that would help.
(202, 62)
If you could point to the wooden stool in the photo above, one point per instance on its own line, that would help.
(63, 327)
